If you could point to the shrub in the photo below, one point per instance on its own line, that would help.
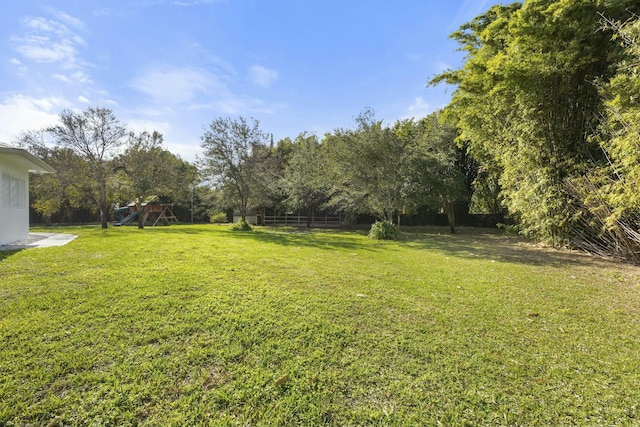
(383, 230)
(241, 226)
(218, 217)
(508, 228)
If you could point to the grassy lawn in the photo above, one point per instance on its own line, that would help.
(196, 325)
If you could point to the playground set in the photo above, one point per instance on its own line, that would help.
(153, 213)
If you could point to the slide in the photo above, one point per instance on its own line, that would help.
(127, 219)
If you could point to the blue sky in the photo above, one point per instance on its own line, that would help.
(175, 65)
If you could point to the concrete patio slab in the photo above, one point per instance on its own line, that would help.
(40, 240)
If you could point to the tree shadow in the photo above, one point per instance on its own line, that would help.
(493, 245)
(468, 242)
(171, 230)
(319, 238)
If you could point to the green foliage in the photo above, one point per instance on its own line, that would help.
(486, 193)
(269, 163)
(217, 217)
(83, 149)
(620, 133)
(68, 188)
(526, 101)
(241, 225)
(607, 217)
(508, 228)
(95, 135)
(383, 230)
(232, 160)
(198, 326)
(382, 171)
(147, 169)
(433, 169)
(366, 167)
(305, 182)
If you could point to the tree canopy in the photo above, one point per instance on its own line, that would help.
(148, 170)
(98, 161)
(95, 135)
(527, 103)
(228, 160)
(304, 180)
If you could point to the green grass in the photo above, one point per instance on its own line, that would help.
(197, 325)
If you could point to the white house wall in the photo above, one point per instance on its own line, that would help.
(14, 220)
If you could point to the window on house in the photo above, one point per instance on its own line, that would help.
(13, 192)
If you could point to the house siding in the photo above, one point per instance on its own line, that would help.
(14, 203)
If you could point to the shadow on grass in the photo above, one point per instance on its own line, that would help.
(328, 239)
(6, 253)
(172, 230)
(469, 243)
(495, 245)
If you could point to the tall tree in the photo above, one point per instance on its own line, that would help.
(269, 166)
(150, 170)
(621, 130)
(228, 159)
(367, 167)
(526, 102)
(609, 221)
(59, 193)
(304, 182)
(435, 175)
(95, 135)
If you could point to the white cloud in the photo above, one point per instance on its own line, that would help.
(185, 150)
(75, 77)
(262, 76)
(199, 107)
(50, 41)
(40, 49)
(188, 152)
(62, 78)
(419, 109)
(234, 106)
(81, 77)
(140, 125)
(178, 85)
(69, 20)
(20, 113)
(19, 69)
(231, 106)
(44, 25)
(84, 99)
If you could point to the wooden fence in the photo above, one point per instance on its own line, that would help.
(296, 219)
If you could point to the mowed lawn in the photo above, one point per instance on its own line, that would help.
(197, 325)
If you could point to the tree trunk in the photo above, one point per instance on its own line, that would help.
(451, 217)
(102, 194)
(103, 215)
(140, 214)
